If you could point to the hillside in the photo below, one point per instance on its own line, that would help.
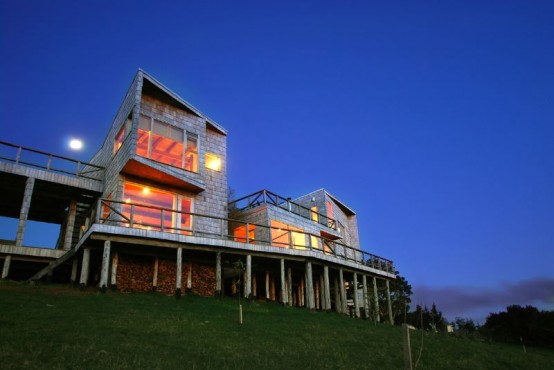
(51, 327)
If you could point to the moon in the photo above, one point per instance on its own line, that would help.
(76, 144)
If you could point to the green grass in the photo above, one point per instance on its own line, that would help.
(57, 327)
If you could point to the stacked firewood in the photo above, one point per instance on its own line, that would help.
(134, 274)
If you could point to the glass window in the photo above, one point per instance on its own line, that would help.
(122, 134)
(315, 216)
(213, 162)
(186, 217)
(240, 234)
(144, 216)
(191, 154)
(143, 138)
(282, 234)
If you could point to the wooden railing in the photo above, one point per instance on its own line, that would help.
(263, 197)
(50, 162)
(124, 214)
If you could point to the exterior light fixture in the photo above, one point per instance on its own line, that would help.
(145, 190)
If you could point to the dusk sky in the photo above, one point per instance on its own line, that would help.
(433, 120)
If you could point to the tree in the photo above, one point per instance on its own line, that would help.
(400, 293)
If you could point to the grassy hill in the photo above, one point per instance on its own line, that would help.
(51, 327)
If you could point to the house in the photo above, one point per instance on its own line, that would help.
(150, 211)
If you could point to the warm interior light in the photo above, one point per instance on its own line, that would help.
(213, 162)
(128, 200)
(145, 190)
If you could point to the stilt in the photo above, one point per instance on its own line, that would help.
(316, 293)
(366, 298)
(155, 276)
(310, 286)
(113, 277)
(254, 285)
(326, 288)
(272, 289)
(84, 268)
(179, 273)
(289, 285)
(70, 225)
(24, 212)
(6, 267)
(376, 315)
(284, 295)
(322, 293)
(248, 280)
(338, 304)
(389, 303)
(218, 274)
(104, 272)
(344, 306)
(356, 298)
(267, 294)
(74, 268)
(302, 293)
(189, 277)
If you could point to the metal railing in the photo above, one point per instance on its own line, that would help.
(50, 162)
(150, 218)
(263, 197)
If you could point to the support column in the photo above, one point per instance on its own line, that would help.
(6, 268)
(355, 295)
(289, 285)
(389, 303)
(254, 285)
(104, 272)
(248, 280)
(70, 225)
(189, 277)
(322, 293)
(155, 275)
(24, 212)
(344, 306)
(267, 285)
(284, 295)
(326, 288)
(179, 273)
(84, 268)
(338, 304)
(376, 315)
(366, 298)
(74, 268)
(113, 277)
(218, 274)
(309, 286)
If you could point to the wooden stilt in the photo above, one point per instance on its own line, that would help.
(326, 288)
(366, 298)
(155, 276)
(284, 295)
(85, 268)
(218, 274)
(24, 212)
(179, 275)
(376, 315)
(309, 286)
(356, 298)
(6, 267)
(272, 289)
(344, 306)
(248, 280)
(74, 268)
(267, 293)
(338, 304)
(289, 286)
(254, 285)
(389, 303)
(189, 277)
(70, 225)
(113, 275)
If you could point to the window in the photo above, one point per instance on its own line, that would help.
(314, 215)
(240, 233)
(282, 235)
(148, 213)
(213, 162)
(121, 135)
(165, 143)
(331, 222)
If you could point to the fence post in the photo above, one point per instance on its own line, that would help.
(247, 228)
(98, 211)
(18, 155)
(407, 347)
(49, 163)
(131, 216)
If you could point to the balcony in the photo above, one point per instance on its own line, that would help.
(150, 220)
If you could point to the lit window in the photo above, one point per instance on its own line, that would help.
(120, 137)
(240, 234)
(282, 235)
(213, 162)
(315, 216)
(186, 217)
(165, 143)
(146, 217)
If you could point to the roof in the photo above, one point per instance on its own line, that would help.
(157, 87)
(347, 210)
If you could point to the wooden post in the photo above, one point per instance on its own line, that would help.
(179, 273)
(289, 285)
(376, 315)
(326, 288)
(338, 304)
(248, 280)
(70, 225)
(267, 285)
(284, 295)
(316, 294)
(272, 287)
(115, 262)
(366, 298)
(84, 268)
(407, 347)
(323, 301)
(74, 268)
(389, 303)
(218, 274)
(301, 292)
(104, 272)
(189, 277)
(356, 299)
(6, 267)
(309, 286)
(24, 212)
(155, 276)
(344, 306)
(254, 285)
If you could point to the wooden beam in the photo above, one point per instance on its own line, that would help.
(155, 275)
(189, 277)
(24, 212)
(366, 298)
(389, 303)
(178, 278)
(218, 274)
(267, 294)
(74, 268)
(376, 315)
(355, 295)
(248, 280)
(113, 277)
(70, 225)
(6, 267)
(344, 306)
(284, 295)
(338, 304)
(104, 272)
(289, 285)
(85, 268)
(309, 286)
(326, 288)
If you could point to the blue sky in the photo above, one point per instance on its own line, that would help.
(433, 120)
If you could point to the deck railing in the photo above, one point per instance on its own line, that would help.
(150, 218)
(263, 197)
(50, 162)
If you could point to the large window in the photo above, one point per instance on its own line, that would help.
(165, 143)
(147, 212)
(121, 135)
(283, 235)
